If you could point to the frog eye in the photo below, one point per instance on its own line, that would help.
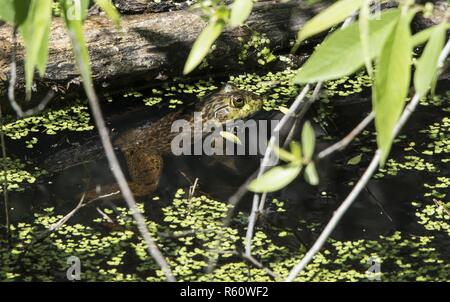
(237, 102)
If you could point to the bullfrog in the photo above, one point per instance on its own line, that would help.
(143, 147)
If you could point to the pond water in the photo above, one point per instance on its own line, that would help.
(400, 218)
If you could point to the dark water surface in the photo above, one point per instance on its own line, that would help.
(382, 208)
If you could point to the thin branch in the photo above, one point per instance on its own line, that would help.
(12, 84)
(5, 179)
(361, 183)
(115, 166)
(258, 205)
(343, 143)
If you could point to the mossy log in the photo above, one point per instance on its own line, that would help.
(149, 47)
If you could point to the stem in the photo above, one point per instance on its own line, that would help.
(361, 183)
(5, 179)
(114, 163)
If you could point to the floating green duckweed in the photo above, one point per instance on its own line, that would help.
(112, 251)
(18, 174)
(258, 45)
(393, 167)
(73, 118)
(348, 85)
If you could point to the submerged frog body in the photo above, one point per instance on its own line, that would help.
(143, 147)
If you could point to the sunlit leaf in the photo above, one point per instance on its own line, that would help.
(422, 36)
(345, 44)
(392, 83)
(202, 45)
(364, 30)
(108, 7)
(14, 11)
(331, 16)
(231, 137)
(7, 11)
(275, 179)
(284, 155)
(311, 175)
(34, 31)
(296, 150)
(240, 10)
(426, 72)
(355, 160)
(308, 141)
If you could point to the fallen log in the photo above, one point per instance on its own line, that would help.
(149, 48)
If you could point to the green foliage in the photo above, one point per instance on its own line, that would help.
(279, 177)
(425, 74)
(240, 10)
(35, 32)
(346, 43)
(308, 141)
(275, 179)
(364, 29)
(331, 16)
(392, 82)
(202, 45)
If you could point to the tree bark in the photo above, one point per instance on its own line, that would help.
(150, 47)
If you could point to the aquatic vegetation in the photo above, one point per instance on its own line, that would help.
(410, 162)
(348, 85)
(109, 249)
(259, 45)
(439, 134)
(50, 122)
(18, 174)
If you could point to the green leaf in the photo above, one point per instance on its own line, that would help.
(364, 29)
(331, 16)
(202, 45)
(284, 155)
(311, 175)
(422, 36)
(240, 10)
(7, 11)
(296, 150)
(275, 179)
(35, 30)
(346, 43)
(426, 68)
(392, 83)
(355, 160)
(14, 12)
(231, 137)
(308, 141)
(108, 7)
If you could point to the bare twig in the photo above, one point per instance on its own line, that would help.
(5, 179)
(340, 145)
(299, 104)
(331, 225)
(12, 84)
(297, 110)
(114, 163)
